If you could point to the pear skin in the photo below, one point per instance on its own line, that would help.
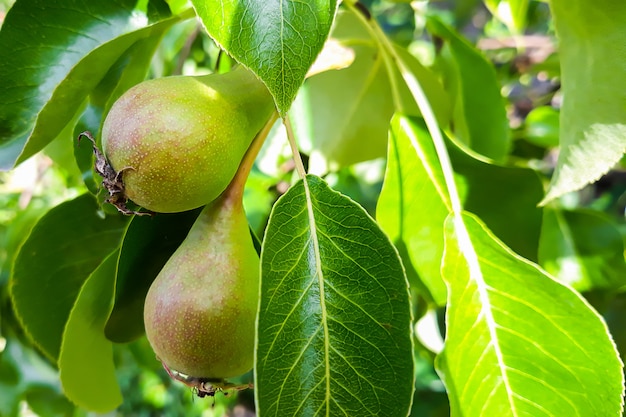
(179, 140)
(200, 311)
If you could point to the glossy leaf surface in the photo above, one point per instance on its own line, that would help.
(85, 351)
(64, 248)
(334, 334)
(592, 42)
(78, 41)
(518, 342)
(278, 39)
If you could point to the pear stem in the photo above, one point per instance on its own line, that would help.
(234, 191)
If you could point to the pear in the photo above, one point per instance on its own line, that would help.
(177, 141)
(200, 311)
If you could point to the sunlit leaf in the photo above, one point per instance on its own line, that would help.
(414, 202)
(278, 40)
(412, 206)
(63, 249)
(86, 363)
(257, 200)
(518, 342)
(592, 47)
(334, 332)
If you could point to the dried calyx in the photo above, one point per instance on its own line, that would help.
(111, 180)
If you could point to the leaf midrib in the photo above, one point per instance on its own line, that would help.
(320, 277)
(466, 247)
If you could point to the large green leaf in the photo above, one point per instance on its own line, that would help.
(518, 342)
(148, 244)
(479, 116)
(334, 327)
(582, 248)
(413, 205)
(414, 202)
(52, 56)
(592, 44)
(62, 250)
(278, 40)
(86, 363)
(345, 114)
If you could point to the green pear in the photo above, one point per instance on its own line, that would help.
(177, 141)
(200, 311)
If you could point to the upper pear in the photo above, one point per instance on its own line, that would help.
(179, 140)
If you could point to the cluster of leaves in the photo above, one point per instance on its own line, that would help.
(351, 315)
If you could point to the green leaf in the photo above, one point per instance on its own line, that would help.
(504, 197)
(51, 58)
(86, 363)
(148, 244)
(277, 40)
(592, 39)
(582, 248)
(345, 114)
(334, 327)
(412, 206)
(63, 249)
(414, 202)
(479, 116)
(518, 342)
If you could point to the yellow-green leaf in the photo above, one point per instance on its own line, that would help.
(519, 343)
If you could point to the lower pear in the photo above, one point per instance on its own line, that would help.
(200, 311)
